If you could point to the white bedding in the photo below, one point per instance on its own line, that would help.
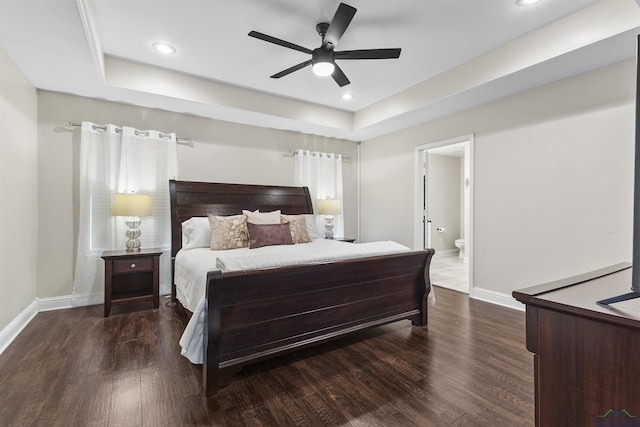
(319, 250)
(192, 266)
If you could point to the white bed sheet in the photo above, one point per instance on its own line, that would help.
(192, 266)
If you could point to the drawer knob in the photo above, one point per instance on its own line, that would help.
(133, 266)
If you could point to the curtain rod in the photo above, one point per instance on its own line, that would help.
(293, 153)
(179, 140)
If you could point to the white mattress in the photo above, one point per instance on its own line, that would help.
(192, 266)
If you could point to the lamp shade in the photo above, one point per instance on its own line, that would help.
(329, 207)
(125, 204)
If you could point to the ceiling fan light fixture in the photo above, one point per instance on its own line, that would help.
(323, 69)
(322, 62)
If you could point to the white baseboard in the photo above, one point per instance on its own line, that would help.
(498, 298)
(11, 331)
(54, 303)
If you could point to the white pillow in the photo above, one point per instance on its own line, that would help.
(312, 227)
(196, 233)
(256, 217)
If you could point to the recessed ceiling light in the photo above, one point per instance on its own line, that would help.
(164, 48)
(526, 2)
(347, 96)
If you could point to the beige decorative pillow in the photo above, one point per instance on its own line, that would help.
(298, 226)
(228, 232)
(256, 217)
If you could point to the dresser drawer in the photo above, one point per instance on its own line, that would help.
(132, 265)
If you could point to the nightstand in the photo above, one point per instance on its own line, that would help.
(344, 239)
(131, 276)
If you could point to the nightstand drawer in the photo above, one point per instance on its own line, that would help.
(132, 265)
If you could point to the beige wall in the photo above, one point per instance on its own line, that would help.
(223, 152)
(552, 179)
(18, 191)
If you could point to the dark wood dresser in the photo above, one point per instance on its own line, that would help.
(586, 356)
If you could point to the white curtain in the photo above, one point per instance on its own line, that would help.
(322, 173)
(118, 160)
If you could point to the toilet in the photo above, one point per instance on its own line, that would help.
(460, 245)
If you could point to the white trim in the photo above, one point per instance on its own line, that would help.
(54, 303)
(469, 250)
(13, 329)
(359, 186)
(92, 36)
(417, 198)
(494, 297)
(38, 305)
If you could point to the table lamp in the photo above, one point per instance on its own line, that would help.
(329, 208)
(133, 206)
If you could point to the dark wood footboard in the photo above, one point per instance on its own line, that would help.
(255, 315)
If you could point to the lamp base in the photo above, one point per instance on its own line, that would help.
(133, 244)
(328, 227)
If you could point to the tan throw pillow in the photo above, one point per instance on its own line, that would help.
(268, 235)
(298, 226)
(228, 232)
(256, 217)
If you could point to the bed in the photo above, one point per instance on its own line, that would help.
(253, 315)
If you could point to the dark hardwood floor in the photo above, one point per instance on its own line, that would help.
(469, 367)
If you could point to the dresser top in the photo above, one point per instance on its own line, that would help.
(579, 294)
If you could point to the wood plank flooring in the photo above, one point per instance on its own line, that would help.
(469, 367)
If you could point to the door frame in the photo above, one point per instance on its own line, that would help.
(420, 195)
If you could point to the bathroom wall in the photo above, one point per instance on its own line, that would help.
(444, 198)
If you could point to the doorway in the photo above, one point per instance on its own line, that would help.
(444, 210)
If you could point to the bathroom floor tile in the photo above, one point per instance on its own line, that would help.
(450, 272)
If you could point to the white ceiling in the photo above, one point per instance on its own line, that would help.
(455, 54)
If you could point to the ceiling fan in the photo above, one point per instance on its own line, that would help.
(323, 58)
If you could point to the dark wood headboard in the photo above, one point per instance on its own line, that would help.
(189, 199)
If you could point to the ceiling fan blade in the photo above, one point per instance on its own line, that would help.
(339, 24)
(279, 42)
(339, 76)
(291, 69)
(368, 54)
